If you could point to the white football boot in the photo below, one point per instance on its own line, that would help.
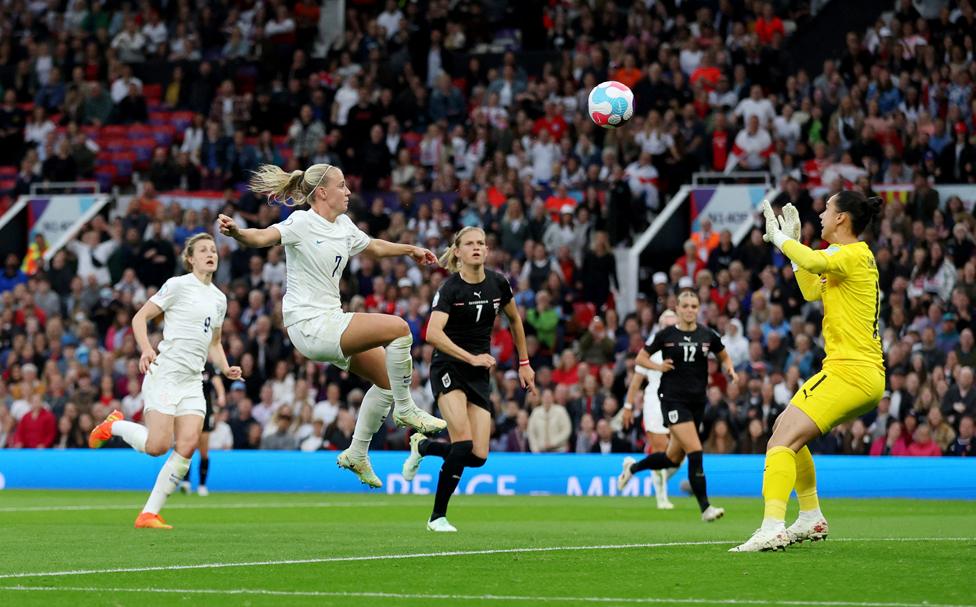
(361, 467)
(441, 525)
(418, 419)
(712, 514)
(412, 463)
(812, 529)
(764, 540)
(625, 474)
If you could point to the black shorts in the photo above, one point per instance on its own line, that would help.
(209, 422)
(680, 411)
(475, 382)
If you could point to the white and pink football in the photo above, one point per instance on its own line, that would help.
(611, 104)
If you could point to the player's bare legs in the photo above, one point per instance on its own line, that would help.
(369, 331)
(363, 342)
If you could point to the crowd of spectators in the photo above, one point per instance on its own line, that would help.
(404, 105)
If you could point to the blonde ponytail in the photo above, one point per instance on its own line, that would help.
(449, 259)
(282, 187)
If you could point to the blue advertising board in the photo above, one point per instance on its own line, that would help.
(504, 474)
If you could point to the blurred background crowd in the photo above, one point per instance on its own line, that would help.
(440, 120)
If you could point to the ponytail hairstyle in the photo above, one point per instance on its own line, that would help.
(449, 259)
(282, 187)
(862, 210)
(188, 249)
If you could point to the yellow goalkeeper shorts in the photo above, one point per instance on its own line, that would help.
(839, 393)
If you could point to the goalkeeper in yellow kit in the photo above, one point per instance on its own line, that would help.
(851, 383)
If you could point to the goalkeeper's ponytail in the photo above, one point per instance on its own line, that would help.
(863, 211)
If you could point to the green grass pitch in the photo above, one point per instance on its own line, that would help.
(302, 549)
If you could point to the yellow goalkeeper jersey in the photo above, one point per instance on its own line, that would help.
(845, 277)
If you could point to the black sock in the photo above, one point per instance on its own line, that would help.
(654, 461)
(450, 476)
(434, 447)
(474, 461)
(696, 477)
(204, 469)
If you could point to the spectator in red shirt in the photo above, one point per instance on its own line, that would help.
(923, 445)
(690, 263)
(553, 122)
(768, 24)
(568, 370)
(721, 143)
(628, 74)
(893, 443)
(37, 428)
(707, 72)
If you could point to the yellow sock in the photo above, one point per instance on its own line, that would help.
(778, 479)
(806, 481)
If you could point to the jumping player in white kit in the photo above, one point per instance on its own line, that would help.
(172, 388)
(318, 244)
(657, 432)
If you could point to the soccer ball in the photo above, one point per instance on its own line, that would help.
(611, 104)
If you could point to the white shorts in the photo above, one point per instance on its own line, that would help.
(318, 338)
(653, 418)
(173, 394)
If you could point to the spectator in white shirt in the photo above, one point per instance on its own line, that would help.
(755, 105)
(327, 410)
(120, 87)
(130, 44)
(544, 153)
(642, 178)
(154, 32)
(390, 18)
(753, 147)
(787, 130)
(274, 268)
(345, 98)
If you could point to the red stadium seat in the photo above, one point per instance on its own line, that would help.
(152, 92)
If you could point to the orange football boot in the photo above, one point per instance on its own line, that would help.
(103, 431)
(148, 520)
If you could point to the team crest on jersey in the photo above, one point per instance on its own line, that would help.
(673, 417)
(446, 380)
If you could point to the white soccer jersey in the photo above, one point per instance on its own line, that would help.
(316, 252)
(192, 311)
(653, 377)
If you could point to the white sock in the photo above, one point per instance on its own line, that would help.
(661, 484)
(771, 524)
(811, 515)
(132, 433)
(169, 478)
(669, 472)
(372, 413)
(399, 367)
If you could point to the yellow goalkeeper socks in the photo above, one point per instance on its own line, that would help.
(778, 480)
(806, 481)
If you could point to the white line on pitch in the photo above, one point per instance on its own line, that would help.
(479, 597)
(394, 557)
(214, 506)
